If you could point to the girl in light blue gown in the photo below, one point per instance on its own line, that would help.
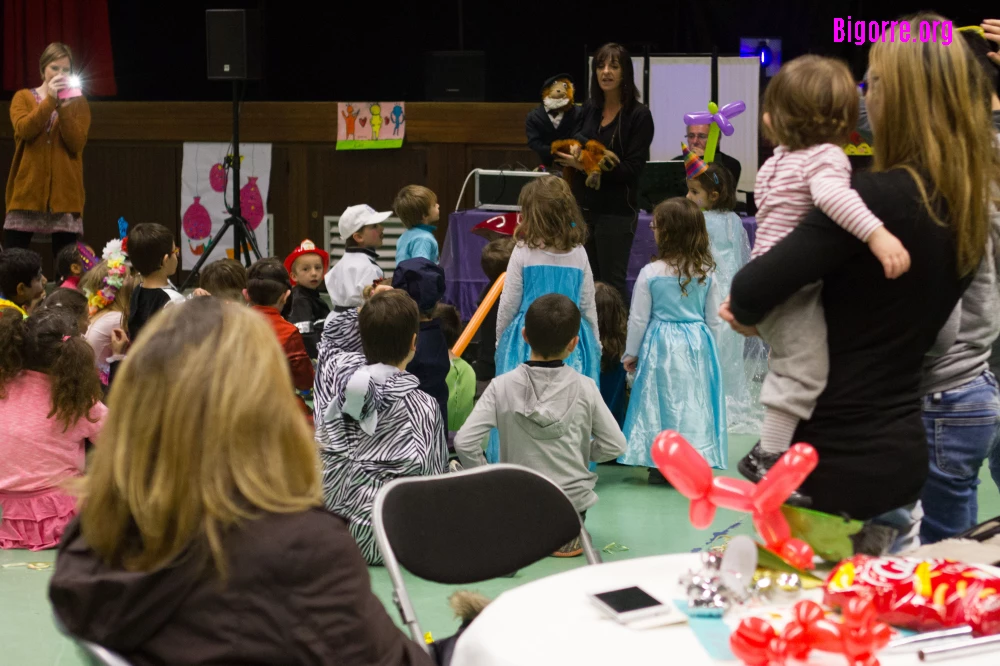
(743, 360)
(549, 258)
(670, 344)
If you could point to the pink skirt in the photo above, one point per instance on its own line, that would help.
(36, 520)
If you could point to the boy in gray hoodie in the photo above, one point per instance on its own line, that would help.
(551, 418)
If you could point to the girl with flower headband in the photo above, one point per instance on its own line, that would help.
(108, 288)
(712, 187)
(49, 408)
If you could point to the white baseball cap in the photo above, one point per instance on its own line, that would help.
(356, 217)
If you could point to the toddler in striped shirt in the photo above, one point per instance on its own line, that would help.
(810, 109)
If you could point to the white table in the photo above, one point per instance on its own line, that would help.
(551, 621)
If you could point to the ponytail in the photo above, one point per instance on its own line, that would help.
(12, 335)
(50, 342)
(76, 387)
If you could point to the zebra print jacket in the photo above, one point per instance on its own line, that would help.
(373, 425)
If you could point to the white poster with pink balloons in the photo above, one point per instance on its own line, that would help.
(206, 189)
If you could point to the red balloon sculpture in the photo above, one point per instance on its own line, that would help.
(688, 472)
(859, 637)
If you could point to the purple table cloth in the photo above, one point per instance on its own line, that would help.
(464, 277)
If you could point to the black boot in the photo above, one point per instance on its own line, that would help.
(755, 465)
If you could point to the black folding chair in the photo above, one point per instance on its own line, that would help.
(471, 526)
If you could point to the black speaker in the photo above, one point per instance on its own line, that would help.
(234, 44)
(455, 76)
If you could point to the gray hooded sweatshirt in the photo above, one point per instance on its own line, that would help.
(552, 420)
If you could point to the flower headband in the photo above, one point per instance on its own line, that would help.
(113, 282)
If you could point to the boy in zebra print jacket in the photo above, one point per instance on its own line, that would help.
(373, 423)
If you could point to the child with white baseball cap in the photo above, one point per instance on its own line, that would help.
(361, 230)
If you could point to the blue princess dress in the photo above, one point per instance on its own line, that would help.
(743, 360)
(532, 273)
(678, 385)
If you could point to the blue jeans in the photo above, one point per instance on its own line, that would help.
(962, 426)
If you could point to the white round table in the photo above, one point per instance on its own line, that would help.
(552, 621)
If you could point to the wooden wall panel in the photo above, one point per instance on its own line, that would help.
(292, 122)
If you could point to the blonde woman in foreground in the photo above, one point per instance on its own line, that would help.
(200, 537)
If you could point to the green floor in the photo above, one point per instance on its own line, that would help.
(649, 520)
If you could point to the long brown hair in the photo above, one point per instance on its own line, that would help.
(50, 342)
(202, 433)
(629, 93)
(930, 113)
(682, 240)
(550, 217)
(612, 323)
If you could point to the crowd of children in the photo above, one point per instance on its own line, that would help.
(549, 387)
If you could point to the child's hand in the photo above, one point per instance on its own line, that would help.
(199, 292)
(890, 252)
(630, 363)
(119, 342)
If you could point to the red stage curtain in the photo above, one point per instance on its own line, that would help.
(31, 25)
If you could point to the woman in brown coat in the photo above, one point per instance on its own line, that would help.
(45, 185)
(201, 538)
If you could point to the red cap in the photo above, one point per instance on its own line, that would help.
(306, 247)
(500, 225)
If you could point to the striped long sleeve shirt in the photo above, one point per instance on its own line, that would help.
(791, 182)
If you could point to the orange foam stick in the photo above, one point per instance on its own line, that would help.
(477, 319)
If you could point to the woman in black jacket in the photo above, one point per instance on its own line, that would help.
(614, 116)
(931, 187)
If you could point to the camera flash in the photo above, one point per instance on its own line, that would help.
(74, 81)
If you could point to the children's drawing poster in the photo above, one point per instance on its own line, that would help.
(206, 189)
(367, 125)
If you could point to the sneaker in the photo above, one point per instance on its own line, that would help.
(573, 549)
(755, 465)
(656, 478)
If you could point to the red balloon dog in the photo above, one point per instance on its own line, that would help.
(858, 638)
(688, 472)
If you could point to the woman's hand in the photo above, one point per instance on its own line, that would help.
(567, 160)
(119, 342)
(991, 31)
(630, 363)
(55, 85)
(727, 316)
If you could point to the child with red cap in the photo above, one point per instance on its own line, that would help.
(306, 266)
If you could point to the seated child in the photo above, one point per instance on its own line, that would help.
(153, 253)
(424, 282)
(108, 288)
(70, 301)
(494, 260)
(49, 408)
(612, 320)
(22, 285)
(373, 423)
(72, 263)
(225, 279)
(670, 345)
(417, 208)
(307, 264)
(551, 418)
(267, 291)
(461, 378)
(361, 230)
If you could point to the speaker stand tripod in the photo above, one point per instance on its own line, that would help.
(244, 239)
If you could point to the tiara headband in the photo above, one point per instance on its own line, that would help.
(113, 282)
(87, 257)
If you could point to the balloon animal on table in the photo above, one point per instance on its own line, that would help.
(858, 638)
(690, 474)
(593, 155)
